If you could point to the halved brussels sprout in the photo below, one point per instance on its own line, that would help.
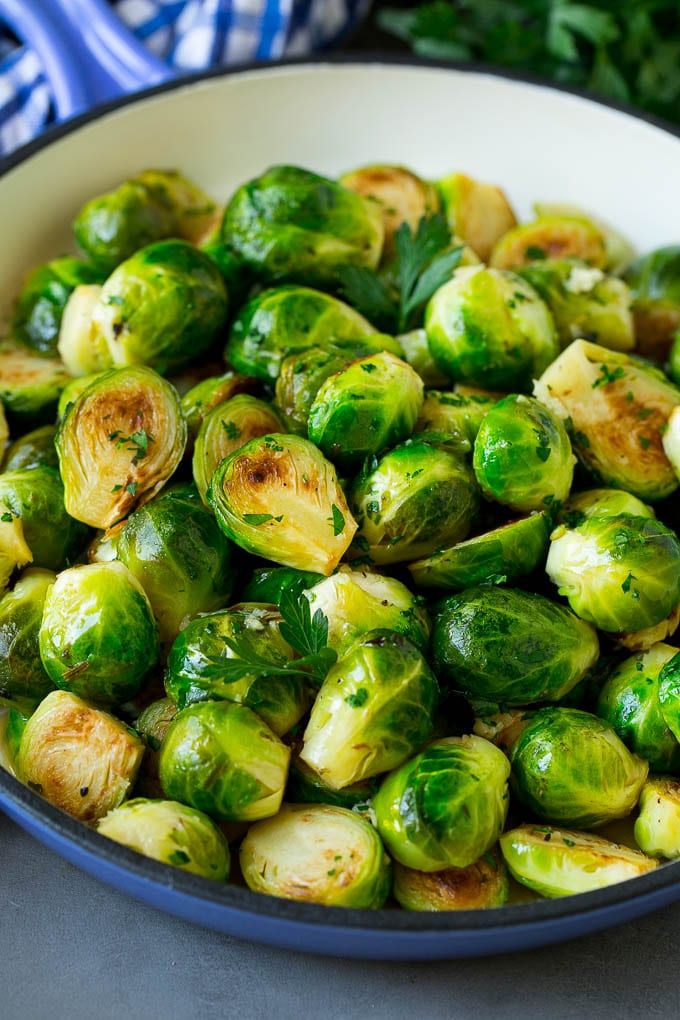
(447, 806)
(601, 503)
(305, 786)
(98, 637)
(270, 584)
(629, 702)
(290, 223)
(490, 328)
(570, 768)
(455, 413)
(153, 205)
(584, 302)
(29, 384)
(22, 675)
(375, 708)
(503, 554)
(620, 573)
(560, 862)
(403, 197)
(226, 428)
(199, 660)
(413, 500)
(550, 237)
(371, 404)
(356, 601)
(479, 213)
(417, 352)
(618, 249)
(657, 828)
(119, 443)
(35, 496)
(43, 297)
(161, 307)
(221, 758)
(152, 724)
(278, 497)
(669, 694)
(615, 410)
(171, 833)
(34, 449)
(14, 552)
(83, 348)
(317, 853)
(654, 280)
(522, 456)
(208, 393)
(175, 549)
(479, 886)
(77, 757)
(511, 646)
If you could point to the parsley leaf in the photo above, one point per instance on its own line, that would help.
(338, 522)
(256, 519)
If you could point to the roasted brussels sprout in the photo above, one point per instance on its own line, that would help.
(221, 758)
(570, 768)
(373, 403)
(43, 297)
(490, 328)
(356, 601)
(305, 786)
(170, 833)
(208, 393)
(560, 862)
(511, 646)
(153, 205)
(657, 828)
(375, 708)
(507, 552)
(35, 496)
(620, 573)
(200, 659)
(417, 352)
(479, 213)
(402, 196)
(278, 497)
(35, 449)
(616, 410)
(30, 385)
(226, 428)
(479, 886)
(318, 853)
(81, 346)
(412, 501)
(654, 280)
(98, 637)
(455, 413)
(550, 237)
(119, 443)
(522, 455)
(77, 757)
(290, 223)
(271, 584)
(14, 552)
(152, 725)
(22, 675)
(447, 806)
(601, 503)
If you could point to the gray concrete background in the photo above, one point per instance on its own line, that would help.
(73, 949)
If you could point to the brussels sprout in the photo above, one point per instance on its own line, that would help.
(170, 833)
(317, 853)
(615, 409)
(81, 346)
(14, 552)
(42, 299)
(271, 584)
(30, 385)
(153, 205)
(479, 213)
(629, 702)
(98, 637)
(601, 503)
(669, 694)
(402, 196)
(22, 676)
(152, 725)
(522, 455)
(291, 223)
(35, 449)
(199, 661)
(227, 428)
(584, 302)
(356, 601)
(119, 443)
(208, 393)
(36, 497)
(175, 549)
(550, 237)
(654, 280)
(413, 500)
(14, 722)
(456, 413)
(417, 354)
(503, 554)
(657, 828)
(373, 403)
(163, 306)
(560, 862)
(375, 708)
(479, 886)
(77, 757)
(570, 768)
(619, 573)
(278, 497)
(511, 646)
(305, 786)
(490, 328)
(447, 806)
(618, 249)
(221, 758)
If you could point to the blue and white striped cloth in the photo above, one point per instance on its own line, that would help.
(190, 35)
